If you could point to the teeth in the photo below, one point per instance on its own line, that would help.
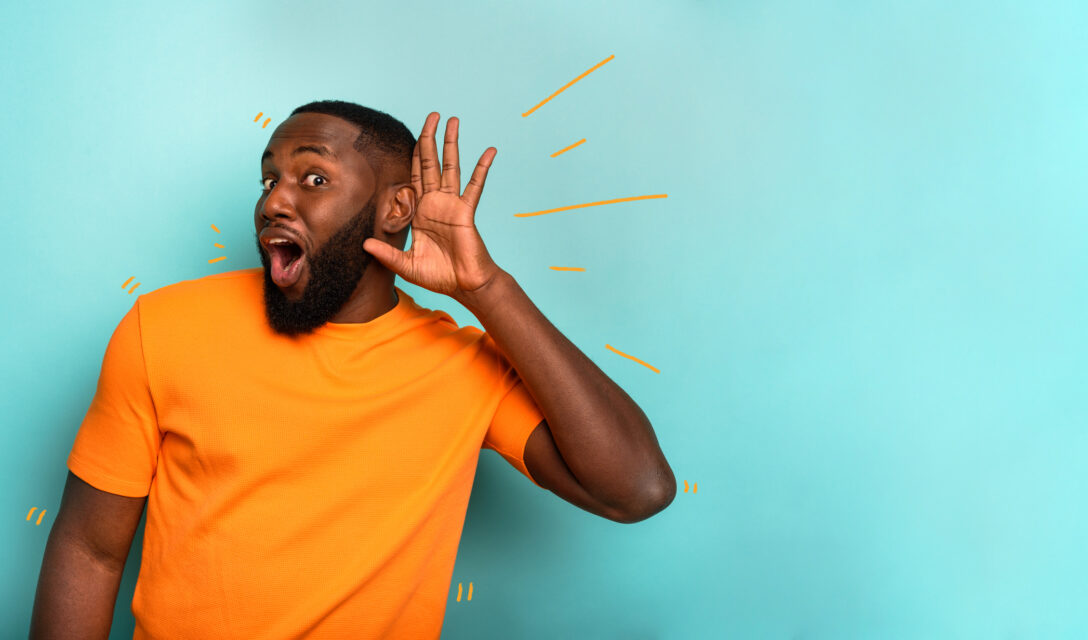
(279, 241)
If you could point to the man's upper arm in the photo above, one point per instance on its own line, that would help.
(100, 523)
(117, 445)
(545, 463)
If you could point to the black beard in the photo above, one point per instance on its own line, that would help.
(335, 271)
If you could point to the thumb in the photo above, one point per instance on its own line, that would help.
(392, 258)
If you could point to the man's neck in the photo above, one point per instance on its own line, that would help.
(373, 297)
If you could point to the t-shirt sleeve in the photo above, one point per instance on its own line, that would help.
(117, 446)
(516, 416)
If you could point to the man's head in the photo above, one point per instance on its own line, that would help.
(332, 175)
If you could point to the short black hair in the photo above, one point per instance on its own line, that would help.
(380, 133)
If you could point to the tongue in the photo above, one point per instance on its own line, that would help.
(283, 274)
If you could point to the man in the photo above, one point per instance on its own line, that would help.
(304, 435)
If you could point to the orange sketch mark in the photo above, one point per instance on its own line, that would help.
(459, 585)
(567, 268)
(694, 489)
(565, 149)
(589, 204)
(126, 282)
(258, 116)
(30, 513)
(566, 86)
(266, 121)
(134, 287)
(614, 350)
(216, 244)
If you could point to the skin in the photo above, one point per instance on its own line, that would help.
(83, 562)
(315, 196)
(595, 449)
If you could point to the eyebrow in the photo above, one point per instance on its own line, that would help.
(320, 150)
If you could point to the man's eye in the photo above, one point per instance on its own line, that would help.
(265, 183)
(316, 178)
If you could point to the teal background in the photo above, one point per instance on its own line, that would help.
(865, 291)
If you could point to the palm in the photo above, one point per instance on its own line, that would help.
(447, 253)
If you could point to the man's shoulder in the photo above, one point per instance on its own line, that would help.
(211, 294)
(440, 323)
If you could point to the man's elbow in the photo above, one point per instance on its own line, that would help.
(660, 495)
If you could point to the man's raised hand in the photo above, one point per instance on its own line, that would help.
(447, 253)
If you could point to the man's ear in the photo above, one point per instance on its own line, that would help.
(402, 208)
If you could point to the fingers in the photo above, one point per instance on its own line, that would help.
(475, 184)
(428, 153)
(392, 258)
(451, 166)
(417, 179)
(425, 172)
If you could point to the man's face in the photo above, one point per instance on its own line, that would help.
(318, 192)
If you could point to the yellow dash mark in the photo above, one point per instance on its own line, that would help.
(589, 204)
(567, 268)
(30, 513)
(566, 86)
(610, 347)
(458, 591)
(216, 244)
(695, 489)
(126, 282)
(685, 486)
(568, 148)
(470, 592)
(42, 515)
(215, 228)
(258, 116)
(217, 259)
(266, 121)
(134, 287)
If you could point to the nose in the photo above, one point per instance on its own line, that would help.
(277, 204)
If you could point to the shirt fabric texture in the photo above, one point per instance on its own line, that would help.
(305, 487)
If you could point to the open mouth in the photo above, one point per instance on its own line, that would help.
(287, 259)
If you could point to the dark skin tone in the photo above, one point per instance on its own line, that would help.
(595, 448)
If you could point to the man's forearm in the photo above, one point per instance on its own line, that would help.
(604, 437)
(76, 594)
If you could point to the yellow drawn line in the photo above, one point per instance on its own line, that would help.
(215, 228)
(565, 149)
(216, 244)
(30, 513)
(566, 86)
(258, 116)
(134, 287)
(126, 282)
(217, 259)
(610, 347)
(567, 268)
(470, 592)
(266, 121)
(694, 490)
(589, 204)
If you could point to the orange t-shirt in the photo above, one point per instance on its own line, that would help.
(310, 487)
